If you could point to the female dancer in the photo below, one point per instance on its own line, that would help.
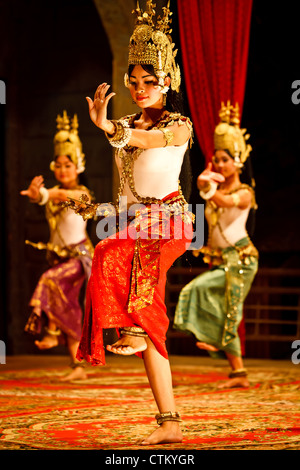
(69, 250)
(211, 306)
(127, 283)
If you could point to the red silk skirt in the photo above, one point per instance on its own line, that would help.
(127, 282)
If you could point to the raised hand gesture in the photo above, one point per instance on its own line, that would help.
(33, 191)
(208, 176)
(98, 108)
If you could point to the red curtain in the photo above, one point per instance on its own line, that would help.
(214, 38)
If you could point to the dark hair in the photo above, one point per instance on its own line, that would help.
(225, 150)
(63, 155)
(175, 105)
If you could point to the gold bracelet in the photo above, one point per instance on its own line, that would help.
(118, 131)
(44, 196)
(211, 191)
(121, 136)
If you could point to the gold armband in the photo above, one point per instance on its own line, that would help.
(236, 199)
(168, 135)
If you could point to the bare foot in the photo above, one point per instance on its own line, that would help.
(207, 347)
(128, 345)
(77, 373)
(235, 382)
(48, 342)
(169, 432)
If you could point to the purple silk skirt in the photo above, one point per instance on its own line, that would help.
(56, 296)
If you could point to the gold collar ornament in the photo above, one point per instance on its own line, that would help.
(229, 136)
(67, 142)
(151, 44)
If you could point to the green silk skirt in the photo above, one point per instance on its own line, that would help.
(211, 306)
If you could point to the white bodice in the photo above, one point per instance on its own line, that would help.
(155, 172)
(233, 225)
(70, 226)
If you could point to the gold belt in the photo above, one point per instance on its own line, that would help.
(215, 256)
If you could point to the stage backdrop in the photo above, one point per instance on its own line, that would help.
(214, 37)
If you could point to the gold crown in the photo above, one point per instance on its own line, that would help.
(67, 142)
(151, 44)
(229, 136)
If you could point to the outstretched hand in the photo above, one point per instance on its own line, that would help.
(98, 107)
(208, 175)
(33, 191)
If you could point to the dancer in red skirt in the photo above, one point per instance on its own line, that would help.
(127, 284)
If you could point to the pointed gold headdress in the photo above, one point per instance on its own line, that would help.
(67, 142)
(151, 44)
(229, 136)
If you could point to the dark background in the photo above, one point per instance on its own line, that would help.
(53, 54)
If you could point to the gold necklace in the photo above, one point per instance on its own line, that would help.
(129, 154)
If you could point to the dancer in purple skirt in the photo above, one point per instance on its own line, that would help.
(69, 250)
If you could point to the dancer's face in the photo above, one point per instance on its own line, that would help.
(144, 88)
(65, 171)
(223, 163)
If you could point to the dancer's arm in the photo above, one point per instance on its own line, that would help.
(139, 137)
(36, 189)
(209, 179)
(241, 199)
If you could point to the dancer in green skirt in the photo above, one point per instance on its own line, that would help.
(211, 306)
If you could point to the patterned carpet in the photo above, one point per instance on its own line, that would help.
(114, 407)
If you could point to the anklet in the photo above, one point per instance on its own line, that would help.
(53, 332)
(74, 364)
(238, 373)
(133, 331)
(168, 416)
